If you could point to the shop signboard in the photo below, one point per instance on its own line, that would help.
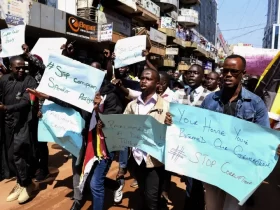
(15, 12)
(208, 65)
(172, 51)
(80, 27)
(158, 36)
(121, 24)
(106, 33)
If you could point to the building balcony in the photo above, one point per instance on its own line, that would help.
(188, 17)
(190, 2)
(168, 26)
(167, 5)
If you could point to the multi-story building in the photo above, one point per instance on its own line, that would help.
(221, 45)
(271, 32)
(207, 10)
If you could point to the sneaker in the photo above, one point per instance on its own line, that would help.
(134, 184)
(26, 193)
(41, 176)
(118, 194)
(14, 194)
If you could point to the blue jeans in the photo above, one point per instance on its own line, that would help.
(100, 171)
(123, 157)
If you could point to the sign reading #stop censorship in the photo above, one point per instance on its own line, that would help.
(71, 81)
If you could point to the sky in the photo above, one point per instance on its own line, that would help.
(249, 16)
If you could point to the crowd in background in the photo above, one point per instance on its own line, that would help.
(121, 92)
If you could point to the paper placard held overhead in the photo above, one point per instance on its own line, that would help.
(45, 46)
(129, 50)
(12, 41)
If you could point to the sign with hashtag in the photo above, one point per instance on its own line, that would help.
(227, 152)
(71, 81)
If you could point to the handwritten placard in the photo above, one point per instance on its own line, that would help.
(45, 46)
(71, 81)
(230, 153)
(64, 125)
(141, 131)
(129, 50)
(44, 134)
(12, 41)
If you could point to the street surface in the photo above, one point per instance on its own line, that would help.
(55, 193)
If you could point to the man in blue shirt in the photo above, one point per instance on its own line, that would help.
(236, 101)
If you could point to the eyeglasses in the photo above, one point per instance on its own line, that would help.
(233, 72)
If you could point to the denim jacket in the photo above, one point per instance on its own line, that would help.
(250, 107)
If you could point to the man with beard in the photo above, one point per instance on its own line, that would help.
(16, 108)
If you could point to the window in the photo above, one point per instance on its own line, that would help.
(276, 37)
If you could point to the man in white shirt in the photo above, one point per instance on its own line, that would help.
(148, 170)
(193, 95)
(167, 94)
(163, 89)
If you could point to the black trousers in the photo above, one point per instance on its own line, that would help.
(18, 149)
(150, 181)
(195, 199)
(166, 181)
(43, 157)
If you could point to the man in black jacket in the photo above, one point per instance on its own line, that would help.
(76, 165)
(16, 107)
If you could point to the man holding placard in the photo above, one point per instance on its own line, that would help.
(16, 107)
(193, 95)
(148, 170)
(238, 102)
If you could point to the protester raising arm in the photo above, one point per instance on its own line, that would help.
(85, 115)
(33, 60)
(149, 65)
(131, 94)
(109, 64)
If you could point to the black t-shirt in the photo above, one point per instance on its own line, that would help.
(230, 108)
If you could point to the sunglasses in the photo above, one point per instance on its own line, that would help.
(20, 67)
(233, 72)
